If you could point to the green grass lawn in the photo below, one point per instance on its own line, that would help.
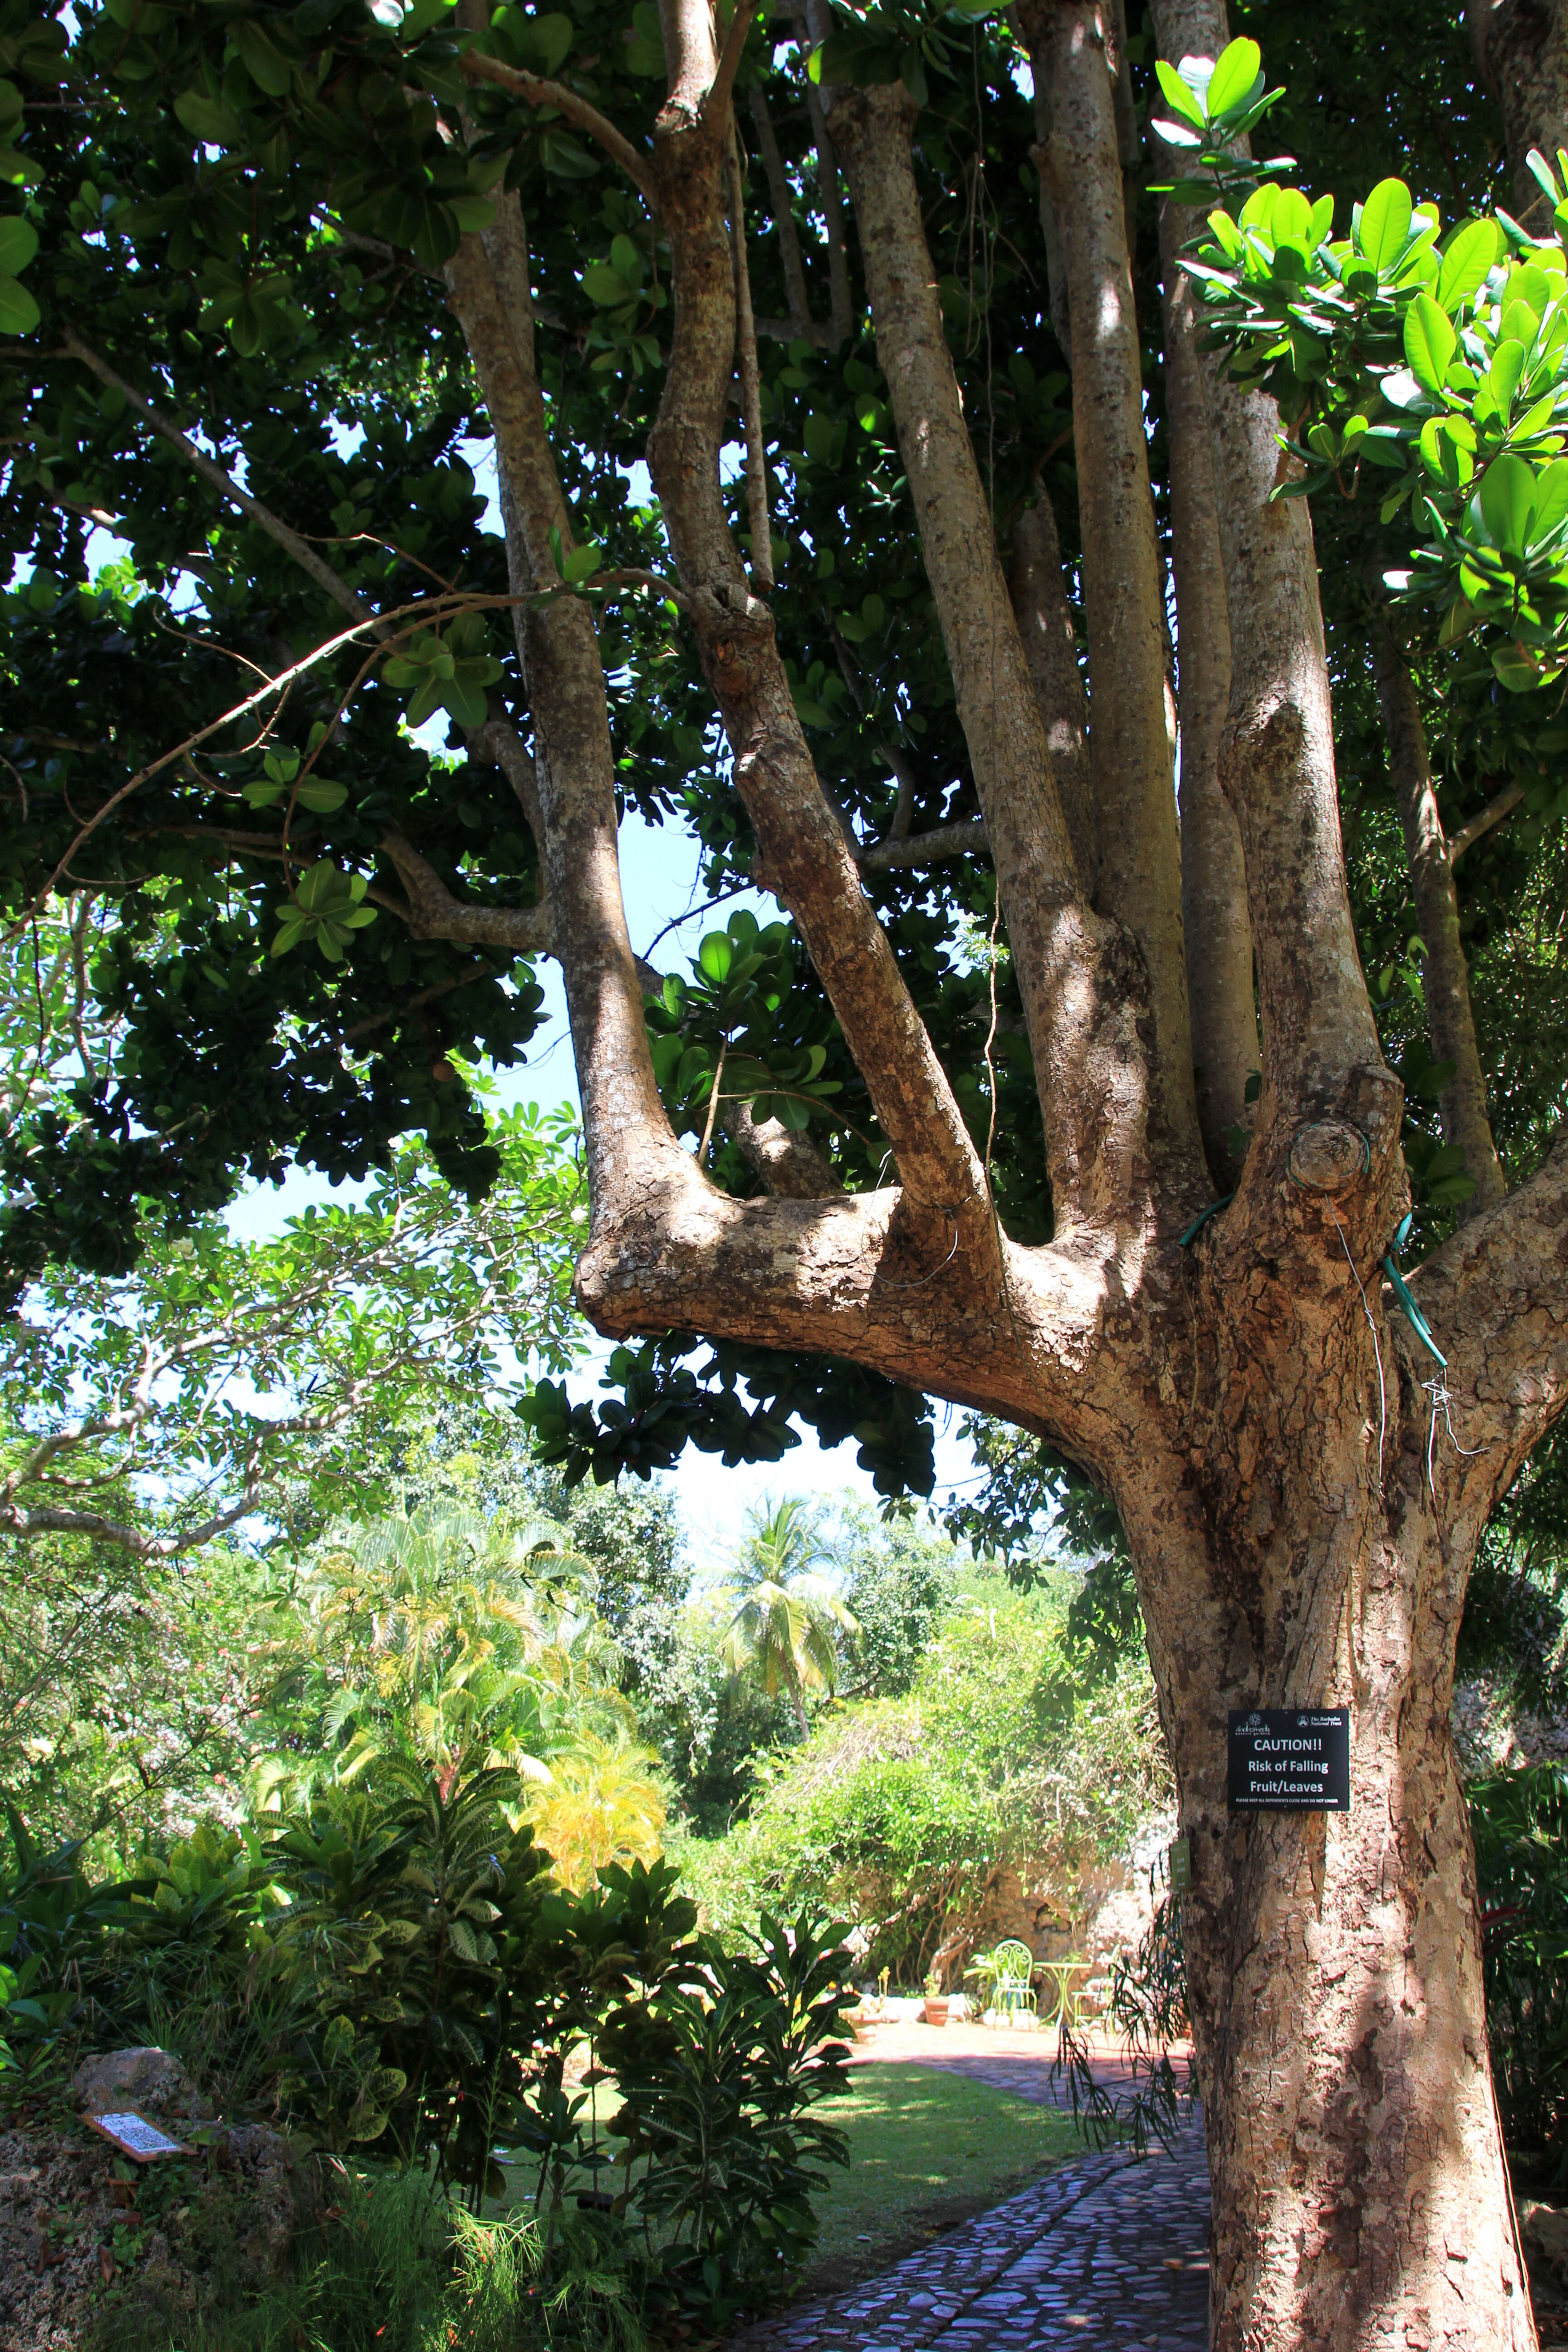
(925, 2150)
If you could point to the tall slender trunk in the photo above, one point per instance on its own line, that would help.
(1215, 923)
(1450, 1018)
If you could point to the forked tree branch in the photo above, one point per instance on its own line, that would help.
(431, 912)
(1082, 980)
(802, 855)
(539, 91)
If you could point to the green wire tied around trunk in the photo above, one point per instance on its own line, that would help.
(1413, 1314)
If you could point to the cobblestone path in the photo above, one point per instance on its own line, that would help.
(1106, 2252)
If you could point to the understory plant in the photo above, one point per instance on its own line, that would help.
(393, 1979)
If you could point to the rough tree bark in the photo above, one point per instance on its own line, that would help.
(1301, 1517)
(1521, 50)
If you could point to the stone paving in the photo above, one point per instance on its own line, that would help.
(1108, 2250)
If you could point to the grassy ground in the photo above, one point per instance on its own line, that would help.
(926, 2149)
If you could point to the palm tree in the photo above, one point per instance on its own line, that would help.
(463, 1640)
(783, 1627)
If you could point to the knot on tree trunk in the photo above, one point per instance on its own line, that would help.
(1328, 1155)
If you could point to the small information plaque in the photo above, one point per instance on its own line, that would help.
(1289, 1760)
(135, 2136)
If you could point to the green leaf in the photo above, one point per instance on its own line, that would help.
(581, 562)
(1502, 378)
(607, 287)
(207, 119)
(18, 244)
(644, 42)
(264, 62)
(19, 314)
(1430, 342)
(561, 154)
(1472, 250)
(1292, 220)
(1235, 78)
(716, 955)
(1551, 501)
(1507, 500)
(1179, 96)
(1384, 227)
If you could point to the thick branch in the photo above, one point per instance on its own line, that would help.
(788, 1163)
(937, 847)
(803, 854)
(1276, 765)
(1082, 989)
(1214, 925)
(538, 92)
(1137, 880)
(757, 514)
(1050, 648)
(432, 913)
(629, 1142)
(783, 1272)
(1450, 1018)
(1506, 801)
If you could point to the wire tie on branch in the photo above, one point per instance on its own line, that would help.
(1443, 1398)
(1413, 1314)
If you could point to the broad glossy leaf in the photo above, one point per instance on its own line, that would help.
(19, 314)
(1551, 500)
(1430, 342)
(1235, 77)
(18, 244)
(1179, 96)
(1384, 227)
(1472, 250)
(1507, 501)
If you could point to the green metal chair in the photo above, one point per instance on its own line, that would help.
(1012, 1991)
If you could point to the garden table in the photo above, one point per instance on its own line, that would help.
(1062, 1972)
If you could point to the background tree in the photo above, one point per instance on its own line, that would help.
(890, 637)
(787, 1618)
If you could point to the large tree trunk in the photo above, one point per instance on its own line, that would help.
(1301, 1523)
(1333, 1962)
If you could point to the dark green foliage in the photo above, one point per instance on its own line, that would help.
(1521, 1823)
(393, 1979)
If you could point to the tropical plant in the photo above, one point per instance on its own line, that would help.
(785, 1622)
(462, 1641)
(1521, 1820)
(601, 1803)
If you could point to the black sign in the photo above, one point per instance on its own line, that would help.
(1284, 1759)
